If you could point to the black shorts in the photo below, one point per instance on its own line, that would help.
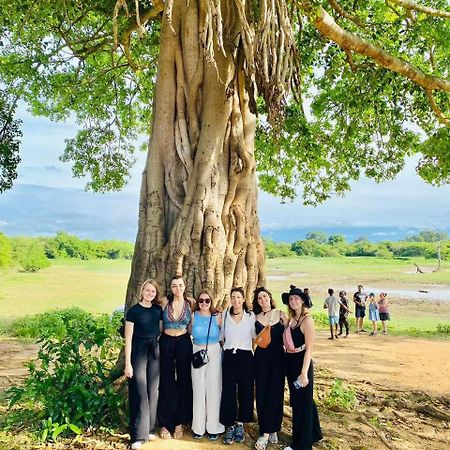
(384, 316)
(360, 312)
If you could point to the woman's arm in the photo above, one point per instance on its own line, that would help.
(129, 328)
(284, 318)
(307, 328)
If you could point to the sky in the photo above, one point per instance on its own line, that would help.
(46, 199)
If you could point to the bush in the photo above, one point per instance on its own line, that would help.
(5, 252)
(30, 254)
(443, 328)
(70, 381)
(341, 397)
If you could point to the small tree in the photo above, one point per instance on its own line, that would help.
(30, 254)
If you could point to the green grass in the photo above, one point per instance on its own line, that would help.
(99, 286)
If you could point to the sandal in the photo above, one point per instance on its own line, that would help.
(164, 433)
(261, 443)
(178, 433)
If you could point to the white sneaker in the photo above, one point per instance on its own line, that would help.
(136, 445)
(152, 437)
(288, 448)
(273, 438)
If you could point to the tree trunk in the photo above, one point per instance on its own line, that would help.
(198, 201)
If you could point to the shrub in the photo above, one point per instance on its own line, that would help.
(341, 397)
(30, 254)
(5, 252)
(70, 381)
(443, 328)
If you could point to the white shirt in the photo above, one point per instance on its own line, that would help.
(238, 336)
(333, 305)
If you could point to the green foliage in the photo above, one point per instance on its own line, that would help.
(318, 236)
(30, 254)
(428, 236)
(443, 328)
(5, 252)
(277, 249)
(70, 381)
(341, 397)
(9, 142)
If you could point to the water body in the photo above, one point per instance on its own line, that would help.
(440, 293)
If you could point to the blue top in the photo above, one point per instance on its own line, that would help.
(200, 330)
(181, 322)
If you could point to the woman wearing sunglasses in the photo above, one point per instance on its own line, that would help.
(206, 380)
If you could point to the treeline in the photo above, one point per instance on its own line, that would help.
(428, 244)
(33, 254)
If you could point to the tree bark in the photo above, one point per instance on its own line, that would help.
(198, 200)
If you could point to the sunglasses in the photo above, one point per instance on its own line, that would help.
(204, 300)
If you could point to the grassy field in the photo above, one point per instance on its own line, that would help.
(100, 285)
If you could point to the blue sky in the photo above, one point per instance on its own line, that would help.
(46, 199)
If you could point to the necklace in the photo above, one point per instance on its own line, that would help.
(237, 314)
(265, 312)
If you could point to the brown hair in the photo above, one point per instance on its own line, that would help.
(256, 306)
(241, 291)
(304, 310)
(197, 308)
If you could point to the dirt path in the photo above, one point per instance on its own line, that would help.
(402, 385)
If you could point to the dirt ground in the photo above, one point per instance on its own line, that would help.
(402, 386)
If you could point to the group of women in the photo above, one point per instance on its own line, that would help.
(162, 334)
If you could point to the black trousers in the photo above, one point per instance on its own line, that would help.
(175, 387)
(343, 321)
(238, 375)
(269, 381)
(143, 388)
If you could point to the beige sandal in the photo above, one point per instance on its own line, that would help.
(164, 433)
(178, 433)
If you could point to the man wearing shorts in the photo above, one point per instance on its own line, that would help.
(359, 298)
(333, 305)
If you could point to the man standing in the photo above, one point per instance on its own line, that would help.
(333, 304)
(359, 298)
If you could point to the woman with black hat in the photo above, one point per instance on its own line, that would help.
(298, 340)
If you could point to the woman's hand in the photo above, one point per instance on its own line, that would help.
(128, 372)
(303, 378)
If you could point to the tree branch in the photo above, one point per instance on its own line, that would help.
(348, 41)
(409, 5)
(439, 114)
(342, 12)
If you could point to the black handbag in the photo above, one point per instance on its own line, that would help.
(200, 358)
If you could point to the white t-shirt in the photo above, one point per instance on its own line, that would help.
(333, 305)
(238, 336)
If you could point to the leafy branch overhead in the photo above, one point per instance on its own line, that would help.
(344, 89)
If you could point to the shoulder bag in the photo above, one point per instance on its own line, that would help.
(200, 358)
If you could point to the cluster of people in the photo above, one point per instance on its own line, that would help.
(187, 363)
(338, 311)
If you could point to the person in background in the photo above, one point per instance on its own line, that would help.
(383, 305)
(333, 304)
(238, 368)
(175, 388)
(343, 313)
(269, 365)
(206, 380)
(143, 326)
(359, 298)
(374, 315)
(298, 338)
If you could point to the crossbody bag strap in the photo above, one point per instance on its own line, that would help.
(207, 336)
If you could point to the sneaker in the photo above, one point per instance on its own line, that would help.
(228, 438)
(212, 436)
(152, 437)
(384, 332)
(273, 438)
(288, 448)
(136, 445)
(239, 433)
(197, 436)
(346, 335)
(363, 331)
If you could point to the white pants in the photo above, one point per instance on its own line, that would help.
(207, 389)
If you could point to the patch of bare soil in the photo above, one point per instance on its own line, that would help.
(402, 389)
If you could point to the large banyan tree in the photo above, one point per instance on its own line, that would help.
(311, 93)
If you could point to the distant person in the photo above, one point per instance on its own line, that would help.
(343, 313)
(359, 298)
(383, 306)
(298, 340)
(374, 315)
(306, 291)
(143, 326)
(333, 304)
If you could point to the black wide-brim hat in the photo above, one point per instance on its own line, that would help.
(296, 291)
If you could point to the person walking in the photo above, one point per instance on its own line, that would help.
(143, 326)
(269, 365)
(298, 339)
(207, 379)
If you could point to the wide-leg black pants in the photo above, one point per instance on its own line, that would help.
(238, 375)
(175, 387)
(143, 388)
